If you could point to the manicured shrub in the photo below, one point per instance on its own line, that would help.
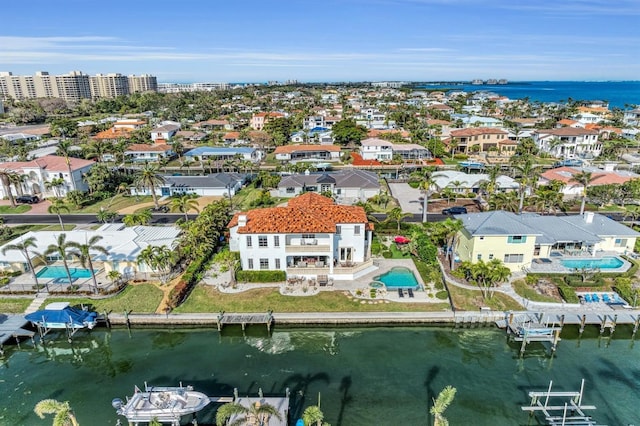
(442, 295)
(261, 276)
(568, 294)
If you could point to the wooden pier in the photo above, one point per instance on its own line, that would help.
(279, 403)
(244, 320)
(570, 410)
(12, 327)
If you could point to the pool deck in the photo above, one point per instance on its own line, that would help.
(553, 264)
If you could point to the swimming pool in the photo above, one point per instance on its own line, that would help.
(603, 263)
(398, 277)
(60, 272)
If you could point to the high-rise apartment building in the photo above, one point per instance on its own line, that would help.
(73, 86)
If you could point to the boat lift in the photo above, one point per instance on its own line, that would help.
(569, 412)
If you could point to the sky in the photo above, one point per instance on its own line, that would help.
(326, 40)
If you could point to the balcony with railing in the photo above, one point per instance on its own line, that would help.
(308, 245)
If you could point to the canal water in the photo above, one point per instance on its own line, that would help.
(369, 376)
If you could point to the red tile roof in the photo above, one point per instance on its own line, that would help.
(565, 174)
(140, 147)
(51, 163)
(475, 131)
(123, 132)
(308, 213)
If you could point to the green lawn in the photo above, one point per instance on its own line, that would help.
(21, 230)
(139, 298)
(67, 227)
(472, 300)
(22, 208)
(207, 299)
(14, 306)
(112, 204)
(526, 291)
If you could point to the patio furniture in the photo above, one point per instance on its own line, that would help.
(323, 280)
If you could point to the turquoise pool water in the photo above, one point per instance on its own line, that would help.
(60, 272)
(603, 263)
(398, 277)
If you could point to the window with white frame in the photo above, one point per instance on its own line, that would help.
(264, 263)
(249, 243)
(277, 263)
(276, 240)
(249, 263)
(263, 242)
(513, 258)
(356, 230)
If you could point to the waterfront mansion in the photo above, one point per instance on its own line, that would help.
(311, 236)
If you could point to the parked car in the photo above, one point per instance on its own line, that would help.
(161, 209)
(27, 199)
(455, 210)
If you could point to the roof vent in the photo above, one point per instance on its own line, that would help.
(588, 217)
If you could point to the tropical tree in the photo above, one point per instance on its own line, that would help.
(148, 177)
(105, 216)
(5, 178)
(114, 276)
(65, 147)
(61, 250)
(55, 184)
(313, 415)
(85, 253)
(62, 412)
(160, 259)
(184, 204)
(397, 215)
(228, 261)
(257, 414)
(139, 218)
(57, 207)
(527, 173)
(440, 405)
(486, 275)
(17, 179)
(25, 247)
(583, 179)
(507, 201)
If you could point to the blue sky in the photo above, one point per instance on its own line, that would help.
(326, 40)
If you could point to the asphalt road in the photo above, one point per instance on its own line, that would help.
(79, 219)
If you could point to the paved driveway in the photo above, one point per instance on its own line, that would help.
(408, 197)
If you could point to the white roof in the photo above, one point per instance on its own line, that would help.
(122, 243)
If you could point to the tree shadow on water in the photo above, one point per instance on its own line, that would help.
(299, 384)
(428, 383)
(345, 398)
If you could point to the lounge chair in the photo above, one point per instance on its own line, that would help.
(587, 298)
(595, 297)
(410, 291)
(605, 298)
(400, 292)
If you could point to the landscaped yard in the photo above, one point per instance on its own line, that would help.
(23, 208)
(528, 292)
(14, 306)
(113, 204)
(472, 300)
(207, 299)
(138, 298)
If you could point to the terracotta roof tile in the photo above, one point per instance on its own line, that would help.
(52, 163)
(475, 131)
(307, 213)
(140, 147)
(288, 149)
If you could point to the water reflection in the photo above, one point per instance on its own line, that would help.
(305, 341)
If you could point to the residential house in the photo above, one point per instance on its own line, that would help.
(215, 184)
(347, 186)
(480, 139)
(225, 153)
(260, 119)
(295, 153)
(461, 182)
(376, 149)
(568, 142)
(191, 136)
(632, 117)
(124, 244)
(19, 137)
(214, 125)
(411, 151)
(132, 124)
(139, 152)
(572, 189)
(112, 134)
(518, 240)
(37, 173)
(310, 237)
(165, 132)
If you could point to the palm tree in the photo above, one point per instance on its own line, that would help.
(58, 206)
(105, 216)
(424, 186)
(583, 178)
(24, 247)
(396, 215)
(5, 178)
(440, 405)
(61, 249)
(148, 177)
(228, 261)
(17, 179)
(140, 218)
(55, 184)
(160, 259)
(184, 204)
(64, 150)
(257, 414)
(62, 412)
(313, 414)
(528, 175)
(84, 255)
(114, 276)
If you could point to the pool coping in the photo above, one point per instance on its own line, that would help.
(556, 266)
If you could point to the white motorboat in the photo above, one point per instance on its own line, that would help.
(166, 404)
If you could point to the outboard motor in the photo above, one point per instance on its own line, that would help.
(116, 403)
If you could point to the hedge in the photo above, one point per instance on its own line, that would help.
(261, 276)
(192, 276)
(576, 281)
(568, 294)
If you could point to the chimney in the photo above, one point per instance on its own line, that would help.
(588, 217)
(242, 220)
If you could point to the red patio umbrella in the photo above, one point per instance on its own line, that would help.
(401, 240)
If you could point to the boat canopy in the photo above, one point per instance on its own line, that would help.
(67, 315)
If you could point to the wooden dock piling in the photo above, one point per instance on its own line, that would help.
(244, 320)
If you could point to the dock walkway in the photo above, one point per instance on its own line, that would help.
(12, 327)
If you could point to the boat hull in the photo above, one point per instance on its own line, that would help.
(165, 404)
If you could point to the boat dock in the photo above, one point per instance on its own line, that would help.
(12, 327)
(570, 410)
(279, 403)
(244, 320)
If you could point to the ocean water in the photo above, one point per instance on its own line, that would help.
(617, 93)
(374, 376)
